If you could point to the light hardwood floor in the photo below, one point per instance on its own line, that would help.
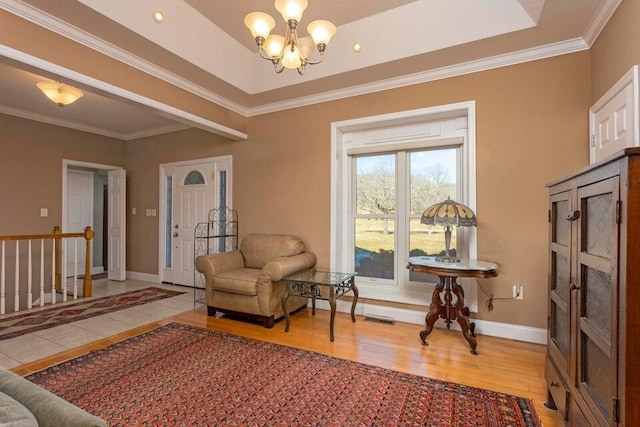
(502, 365)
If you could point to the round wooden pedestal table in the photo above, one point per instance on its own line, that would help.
(442, 305)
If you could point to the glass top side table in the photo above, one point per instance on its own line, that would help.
(308, 283)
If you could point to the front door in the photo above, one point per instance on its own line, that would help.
(191, 190)
(193, 199)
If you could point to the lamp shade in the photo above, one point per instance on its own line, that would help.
(291, 57)
(260, 24)
(449, 213)
(274, 45)
(60, 93)
(321, 31)
(291, 9)
(306, 47)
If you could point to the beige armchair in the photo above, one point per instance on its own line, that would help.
(248, 282)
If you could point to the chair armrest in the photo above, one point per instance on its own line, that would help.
(48, 409)
(281, 267)
(213, 264)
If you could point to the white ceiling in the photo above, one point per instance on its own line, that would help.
(204, 47)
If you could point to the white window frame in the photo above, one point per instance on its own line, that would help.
(407, 130)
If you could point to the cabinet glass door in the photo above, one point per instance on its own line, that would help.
(560, 280)
(597, 298)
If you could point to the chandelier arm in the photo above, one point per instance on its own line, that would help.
(262, 53)
(315, 62)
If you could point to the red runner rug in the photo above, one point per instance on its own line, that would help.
(66, 313)
(183, 375)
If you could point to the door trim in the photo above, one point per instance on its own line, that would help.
(65, 166)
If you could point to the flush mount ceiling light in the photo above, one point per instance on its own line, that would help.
(60, 93)
(289, 51)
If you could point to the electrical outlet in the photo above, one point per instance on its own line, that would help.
(518, 291)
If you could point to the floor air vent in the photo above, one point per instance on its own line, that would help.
(379, 319)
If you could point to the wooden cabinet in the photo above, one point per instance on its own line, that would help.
(593, 356)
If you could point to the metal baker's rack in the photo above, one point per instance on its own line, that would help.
(218, 234)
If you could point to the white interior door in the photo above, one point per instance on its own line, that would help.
(79, 216)
(193, 198)
(117, 225)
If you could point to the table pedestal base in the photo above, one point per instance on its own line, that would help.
(450, 311)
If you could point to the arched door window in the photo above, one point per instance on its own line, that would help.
(193, 178)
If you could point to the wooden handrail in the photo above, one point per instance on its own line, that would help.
(53, 235)
(57, 235)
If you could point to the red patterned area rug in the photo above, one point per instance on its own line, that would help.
(21, 324)
(183, 375)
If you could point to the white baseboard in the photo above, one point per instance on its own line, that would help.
(97, 270)
(483, 327)
(146, 277)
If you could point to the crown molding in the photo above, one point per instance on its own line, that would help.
(155, 131)
(58, 122)
(527, 55)
(91, 129)
(600, 20)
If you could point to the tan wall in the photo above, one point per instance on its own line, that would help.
(31, 170)
(617, 48)
(532, 125)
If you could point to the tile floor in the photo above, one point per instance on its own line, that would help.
(27, 348)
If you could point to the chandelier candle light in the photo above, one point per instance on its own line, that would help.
(289, 51)
(449, 213)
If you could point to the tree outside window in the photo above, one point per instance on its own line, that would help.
(431, 178)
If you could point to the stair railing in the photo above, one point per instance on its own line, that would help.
(52, 256)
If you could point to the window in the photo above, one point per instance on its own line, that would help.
(194, 178)
(387, 170)
(168, 220)
(381, 212)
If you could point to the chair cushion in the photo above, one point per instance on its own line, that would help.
(13, 414)
(259, 249)
(243, 281)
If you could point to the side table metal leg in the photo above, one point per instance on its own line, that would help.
(332, 303)
(283, 301)
(355, 299)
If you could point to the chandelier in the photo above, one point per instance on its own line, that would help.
(60, 93)
(289, 51)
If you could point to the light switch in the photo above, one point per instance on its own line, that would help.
(133, 211)
(44, 212)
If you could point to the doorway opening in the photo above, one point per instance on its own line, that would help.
(94, 195)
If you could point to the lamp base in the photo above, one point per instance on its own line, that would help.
(447, 259)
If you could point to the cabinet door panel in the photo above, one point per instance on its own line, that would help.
(560, 278)
(597, 299)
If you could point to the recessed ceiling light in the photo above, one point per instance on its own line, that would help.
(158, 16)
(357, 47)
